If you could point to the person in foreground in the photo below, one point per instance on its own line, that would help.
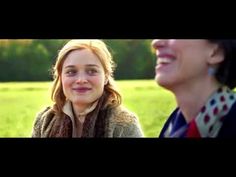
(86, 101)
(202, 75)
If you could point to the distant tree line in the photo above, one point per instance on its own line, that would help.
(31, 60)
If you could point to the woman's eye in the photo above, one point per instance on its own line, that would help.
(70, 72)
(92, 71)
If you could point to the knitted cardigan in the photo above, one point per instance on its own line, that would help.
(111, 122)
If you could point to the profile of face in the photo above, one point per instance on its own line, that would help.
(83, 77)
(181, 62)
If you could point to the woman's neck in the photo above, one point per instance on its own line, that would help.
(192, 98)
(79, 108)
(83, 109)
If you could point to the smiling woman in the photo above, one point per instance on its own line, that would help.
(201, 75)
(87, 102)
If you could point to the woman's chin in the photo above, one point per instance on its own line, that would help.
(81, 102)
(163, 82)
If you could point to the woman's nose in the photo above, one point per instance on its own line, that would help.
(158, 43)
(81, 78)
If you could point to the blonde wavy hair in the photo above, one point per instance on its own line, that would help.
(99, 48)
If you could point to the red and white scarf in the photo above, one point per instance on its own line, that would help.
(210, 119)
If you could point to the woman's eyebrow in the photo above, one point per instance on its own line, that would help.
(70, 66)
(92, 65)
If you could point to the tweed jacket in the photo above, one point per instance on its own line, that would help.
(111, 122)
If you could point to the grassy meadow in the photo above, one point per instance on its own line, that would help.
(19, 103)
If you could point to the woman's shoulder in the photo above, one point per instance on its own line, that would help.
(121, 114)
(124, 123)
(45, 114)
(229, 125)
(230, 117)
(42, 121)
(44, 111)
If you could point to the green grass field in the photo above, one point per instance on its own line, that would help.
(19, 103)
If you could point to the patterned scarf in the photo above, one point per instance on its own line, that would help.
(94, 124)
(210, 119)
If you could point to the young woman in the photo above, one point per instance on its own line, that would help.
(87, 103)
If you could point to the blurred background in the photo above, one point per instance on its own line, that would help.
(30, 60)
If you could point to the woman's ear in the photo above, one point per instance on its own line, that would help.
(106, 81)
(216, 55)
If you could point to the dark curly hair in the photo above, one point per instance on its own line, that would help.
(226, 73)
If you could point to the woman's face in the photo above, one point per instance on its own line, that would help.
(182, 61)
(83, 78)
